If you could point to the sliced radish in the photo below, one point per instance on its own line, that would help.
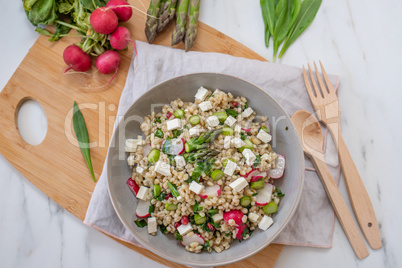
(211, 191)
(277, 173)
(235, 215)
(187, 240)
(142, 209)
(173, 146)
(252, 173)
(239, 231)
(256, 178)
(146, 149)
(264, 195)
(133, 186)
(168, 115)
(247, 130)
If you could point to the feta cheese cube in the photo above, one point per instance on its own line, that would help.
(152, 226)
(202, 94)
(217, 92)
(217, 217)
(130, 160)
(194, 131)
(213, 121)
(131, 145)
(196, 187)
(239, 184)
(184, 229)
(237, 128)
(250, 156)
(173, 124)
(264, 136)
(139, 170)
(226, 142)
(143, 193)
(180, 161)
(205, 106)
(265, 222)
(237, 142)
(247, 112)
(179, 198)
(162, 168)
(253, 217)
(230, 120)
(230, 168)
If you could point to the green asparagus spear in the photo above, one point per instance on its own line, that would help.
(151, 24)
(200, 155)
(181, 14)
(168, 11)
(191, 31)
(202, 141)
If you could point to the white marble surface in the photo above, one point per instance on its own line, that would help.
(359, 40)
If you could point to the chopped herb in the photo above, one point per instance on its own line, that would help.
(171, 159)
(185, 127)
(257, 161)
(161, 197)
(214, 224)
(245, 232)
(250, 233)
(159, 133)
(191, 219)
(279, 192)
(141, 223)
(173, 189)
(196, 232)
(151, 209)
(179, 237)
(158, 120)
(227, 234)
(212, 212)
(231, 112)
(243, 135)
(196, 207)
(207, 246)
(163, 229)
(254, 194)
(149, 164)
(246, 105)
(176, 133)
(204, 227)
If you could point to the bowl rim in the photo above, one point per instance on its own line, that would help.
(219, 263)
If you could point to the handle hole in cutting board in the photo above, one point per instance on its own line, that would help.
(31, 121)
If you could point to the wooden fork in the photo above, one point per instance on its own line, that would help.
(325, 103)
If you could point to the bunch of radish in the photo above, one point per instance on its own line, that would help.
(104, 21)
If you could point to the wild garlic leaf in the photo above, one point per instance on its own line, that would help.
(81, 132)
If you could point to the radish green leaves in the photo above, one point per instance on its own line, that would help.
(81, 132)
(285, 20)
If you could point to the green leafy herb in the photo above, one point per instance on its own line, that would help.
(159, 133)
(227, 234)
(308, 10)
(243, 135)
(81, 132)
(268, 14)
(158, 120)
(163, 229)
(185, 127)
(173, 189)
(207, 246)
(279, 192)
(231, 112)
(257, 161)
(141, 223)
(196, 207)
(254, 194)
(176, 133)
(161, 196)
(151, 209)
(179, 237)
(246, 105)
(171, 159)
(212, 212)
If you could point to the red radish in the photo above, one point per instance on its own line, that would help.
(76, 59)
(168, 115)
(239, 232)
(235, 215)
(184, 220)
(277, 173)
(211, 191)
(235, 104)
(123, 13)
(173, 146)
(210, 227)
(168, 196)
(256, 178)
(108, 62)
(187, 240)
(142, 210)
(103, 20)
(120, 38)
(176, 225)
(247, 130)
(252, 173)
(133, 186)
(201, 179)
(146, 149)
(264, 195)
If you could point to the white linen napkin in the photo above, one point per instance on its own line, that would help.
(313, 222)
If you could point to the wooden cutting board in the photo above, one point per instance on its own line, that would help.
(56, 166)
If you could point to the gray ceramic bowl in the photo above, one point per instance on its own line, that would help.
(185, 87)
